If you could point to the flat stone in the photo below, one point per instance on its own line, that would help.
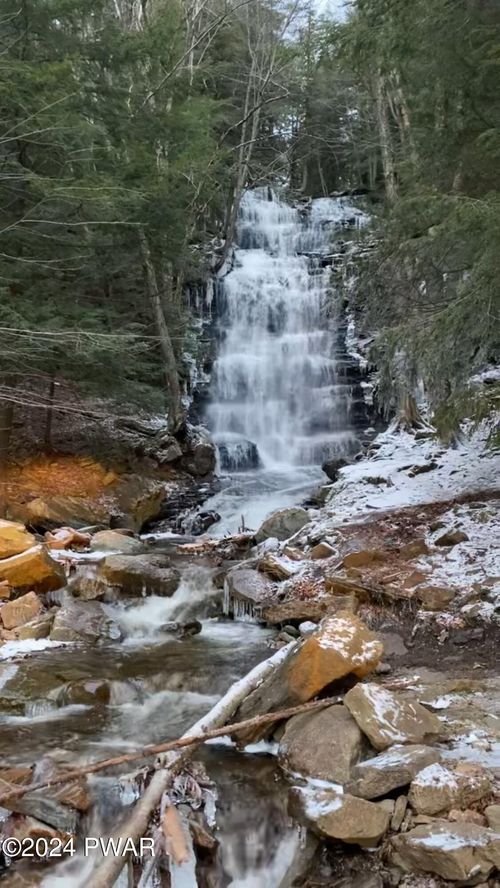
(437, 788)
(245, 587)
(276, 567)
(14, 538)
(309, 609)
(137, 575)
(363, 558)
(22, 610)
(455, 851)
(435, 598)
(452, 538)
(392, 769)
(324, 745)
(345, 818)
(387, 719)
(322, 550)
(112, 541)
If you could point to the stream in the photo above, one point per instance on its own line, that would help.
(280, 404)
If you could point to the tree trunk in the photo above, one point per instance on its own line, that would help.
(385, 139)
(6, 421)
(175, 415)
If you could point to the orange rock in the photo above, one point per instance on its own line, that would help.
(14, 538)
(20, 611)
(33, 569)
(65, 538)
(342, 646)
(5, 589)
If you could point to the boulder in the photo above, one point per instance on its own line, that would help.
(386, 718)
(33, 569)
(282, 524)
(414, 550)
(451, 538)
(39, 627)
(40, 806)
(458, 852)
(246, 589)
(345, 817)
(435, 598)
(331, 467)
(84, 621)
(140, 574)
(363, 558)
(14, 538)
(324, 745)
(492, 813)
(278, 567)
(22, 610)
(438, 788)
(391, 769)
(342, 646)
(322, 550)
(90, 692)
(201, 457)
(114, 541)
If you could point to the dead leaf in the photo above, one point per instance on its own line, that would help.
(173, 830)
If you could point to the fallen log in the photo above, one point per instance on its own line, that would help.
(107, 872)
(169, 746)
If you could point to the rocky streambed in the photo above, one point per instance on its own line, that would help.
(111, 642)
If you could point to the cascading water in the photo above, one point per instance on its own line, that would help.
(281, 395)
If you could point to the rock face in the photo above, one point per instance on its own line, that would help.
(437, 788)
(112, 541)
(83, 621)
(201, 457)
(387, 719)
(390, 770)
(14, 538)
(324, 745)
(20, 611)
(140, 574)
(454, 851)
(33, 569)
(282, 524)
(341, 646)
(345, 817)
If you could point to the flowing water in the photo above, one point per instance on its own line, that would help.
(281, 394)
(280, 405)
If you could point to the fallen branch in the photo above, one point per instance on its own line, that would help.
(214, 723)
(169, 746)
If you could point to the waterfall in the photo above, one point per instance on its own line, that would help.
(279, 393)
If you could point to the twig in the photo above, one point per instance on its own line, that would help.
(155, 749)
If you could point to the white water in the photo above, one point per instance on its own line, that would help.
(279, 400)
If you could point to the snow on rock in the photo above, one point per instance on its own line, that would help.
(454, 851)
(438, 788)
(389, 770)
(386, 718)
(344, 817)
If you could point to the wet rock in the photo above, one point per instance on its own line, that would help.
(23, 827)
(33, 569)
(246, 590)
(41, 807)
(22, 610)
(332, 467)
(324, 745)
(92, 692)
(435, 598)
(14, 538)
(342, 646)
(202, 521)
(113, 541)
(322, 550)
(84, 621)
(345, 817)
(455, 851)
(201, 458)
(282, 524)
(392, 769)
(492, 813)
(438, 788)
(140, 574)
(387, 719)
(451, 538)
